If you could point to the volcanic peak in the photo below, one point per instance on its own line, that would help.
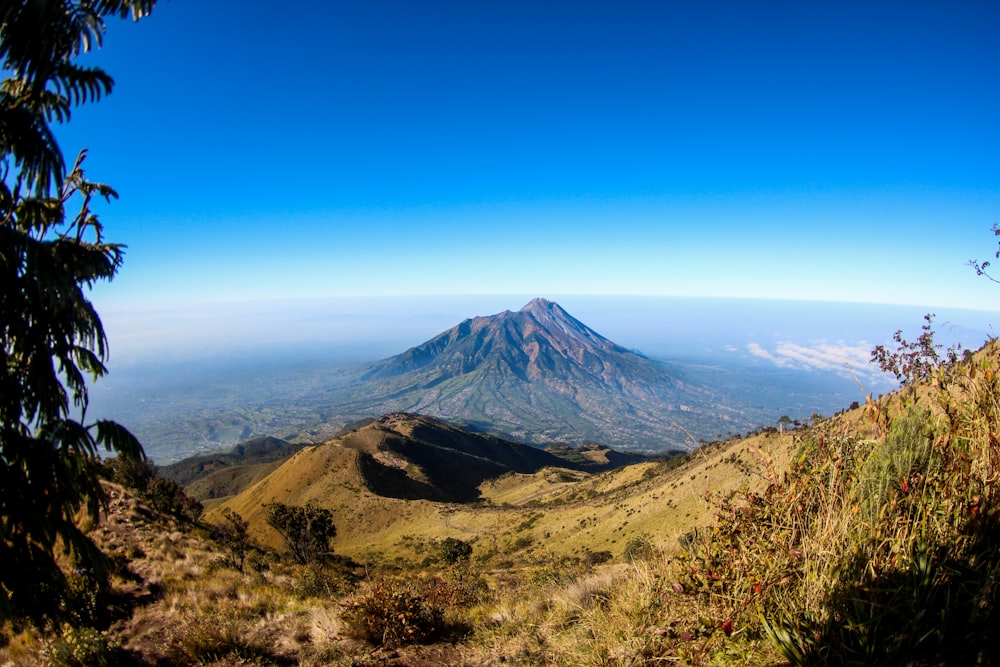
(540, 375)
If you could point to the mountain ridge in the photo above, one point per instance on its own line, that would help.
(399, 455)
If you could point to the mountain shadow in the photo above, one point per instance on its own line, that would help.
(415, 457)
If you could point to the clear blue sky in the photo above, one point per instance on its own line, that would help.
(842, 151)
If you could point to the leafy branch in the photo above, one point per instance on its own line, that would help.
(981, 267)
(913, 361)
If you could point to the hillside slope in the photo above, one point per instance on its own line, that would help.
(385, 483)
(223, 474)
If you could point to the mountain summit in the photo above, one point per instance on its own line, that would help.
(539, 343)
(542, 376)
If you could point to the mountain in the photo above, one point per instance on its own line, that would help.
(542, 376)
(402, 480)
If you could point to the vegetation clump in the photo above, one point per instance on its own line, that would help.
(307, 531)
(390, 613)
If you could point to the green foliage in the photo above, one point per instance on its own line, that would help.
(84, 602)
(51, 338)
(592, 558)
(234, 538)
(390, 614)
(456, 588)
(38, 43)
(83, 647)
(558, 571)
(330, 578)
(522, 542)
(454, 550)
(133, 474)
(168, 497)
(216, 632)
(640, 547)
(307, 531)
(142, 477)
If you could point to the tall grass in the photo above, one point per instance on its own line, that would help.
(871, 551)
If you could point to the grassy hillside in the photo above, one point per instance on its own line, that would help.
(872, 538)
(556, 510)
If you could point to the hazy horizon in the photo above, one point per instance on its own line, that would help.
(367, 328)
(214, 365)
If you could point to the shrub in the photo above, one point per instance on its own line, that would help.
(869, 551)
(234, 538)
(133, 474)
(592, 558)
(390, 613)
(83, 647)
(522, 542)
(558, 571)
(84, 600)
(329, 579)
(455, 588)
(168, 497)
(454, 550)
(214, 632)
(640, 547)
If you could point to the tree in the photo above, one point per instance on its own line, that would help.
(784, 422)
(39, 41)
(235, 539)
(52, 337)
(307, 531)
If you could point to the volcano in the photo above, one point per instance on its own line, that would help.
(541, 376)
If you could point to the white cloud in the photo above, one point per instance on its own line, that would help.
(758, 351)
(838, 357)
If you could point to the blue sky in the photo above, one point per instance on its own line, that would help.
(841, 151)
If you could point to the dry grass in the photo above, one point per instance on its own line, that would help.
(545, 605)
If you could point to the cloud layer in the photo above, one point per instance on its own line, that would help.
(846, 359)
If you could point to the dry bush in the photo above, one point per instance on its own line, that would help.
(391, 613)
(83, 647)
